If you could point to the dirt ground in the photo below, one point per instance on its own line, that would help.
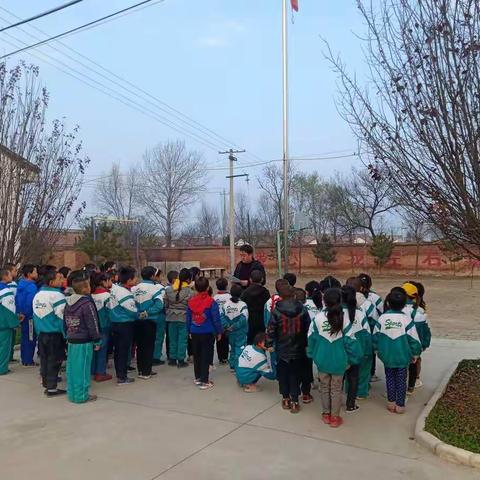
(453, 305)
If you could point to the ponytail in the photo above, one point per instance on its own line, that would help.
(332, 299)
(183, 276)
(349, 298)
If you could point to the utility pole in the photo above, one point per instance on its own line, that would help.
(232, 159)
(224, 216)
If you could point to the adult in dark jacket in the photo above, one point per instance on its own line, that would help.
(83, 336)
(247, 265)
(255, 296)
(287, 333)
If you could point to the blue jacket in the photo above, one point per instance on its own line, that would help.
(203, 315)
(26, 290)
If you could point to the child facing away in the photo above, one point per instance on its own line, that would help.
(82, 330)
(123, 315)
(313, 303)
(161, 323)
(101, 283)
(234, 315)
(48, 307)
(8, 319)
(397, 344)
(203, 325)
(148, 295)
(253, 364)
(272, 301)
(176, 304)
(334, 349)
(418, 315)
(221, 297)
(287, 331)
(172, 275)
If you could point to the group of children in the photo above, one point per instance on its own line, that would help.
(89, 314)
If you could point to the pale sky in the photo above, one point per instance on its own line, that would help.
(219, 62)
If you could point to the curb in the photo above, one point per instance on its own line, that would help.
(443, 450)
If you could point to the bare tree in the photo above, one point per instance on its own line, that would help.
(419, 116)
(245, 219)
(267, 216)
(35, 211)
(172, 177)
(208, 223)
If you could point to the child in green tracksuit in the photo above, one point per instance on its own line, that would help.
(396, 341)
(234, 316)
(8, 319)
(81, 325)
(334, 348)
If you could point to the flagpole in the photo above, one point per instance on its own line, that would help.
(285, 133)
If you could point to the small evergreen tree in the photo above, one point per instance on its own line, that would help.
(324, 250)
(381, 249)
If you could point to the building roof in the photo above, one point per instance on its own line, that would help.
(18, 159)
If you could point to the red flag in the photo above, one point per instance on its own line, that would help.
(294, 5)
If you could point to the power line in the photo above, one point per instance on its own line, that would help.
(40, 15)
(76, 29)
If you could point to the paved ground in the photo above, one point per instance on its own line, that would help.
(167, 429)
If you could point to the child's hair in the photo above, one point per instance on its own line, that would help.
(333, 304)
(366, 281)
(202, 284)
(222, 284)
(300, 295)
(313, 291)
(421, 294)
(79, 279)
(10, 267)
(355, 283)
(286, 291)
(256, 276)
(329, 282)
(49, 277)
(281, 282)
(105, 267)
(97, 279)
(259, 338)
(4, 272)
(148, 272)
(125, 274)
(183, 277)
(291, 278)
(65, 271)
(396, 299)
(90, 267)
(236, 292)
(172, 275)
(28, 269)
(194, 273)
(349, 299)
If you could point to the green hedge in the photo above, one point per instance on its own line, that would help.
(455, 419)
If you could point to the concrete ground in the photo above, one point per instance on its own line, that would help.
(165, 428)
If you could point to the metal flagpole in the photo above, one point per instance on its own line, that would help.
(285, 133)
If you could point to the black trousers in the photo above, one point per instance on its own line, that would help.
(222, 348)
(306, 378)
(51, 349)
(289, 376)
(352, 377)
(412, 375)
(144, 335)
(202, 349)
(122, 335)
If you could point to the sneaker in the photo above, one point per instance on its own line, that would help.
(286, 404)
(250, 388)
(374, 379)
(125, 381)
(29, 364)
(158, 362)
(399, 410)
(391, 407)
(197, 382)
(307, 398)
(182, 364)
(102, 377)
(13, 360)
(144, 377)
(410, 391)
(172, 363)
(55, 393)
(335, 422)
(223, 362)
(91, 398)
(232, 370)
(352, 409)
(295, 408)
(418, 383)
(362, 398)
(326, 418)
(131, 369)
(212, 368)
(206, 386)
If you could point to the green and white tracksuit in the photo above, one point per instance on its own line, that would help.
(376, 300)
(48, 308)
(150, 297)
(312, 309)
(418, 315)
(269, 306)
(8, 323)
(361, 330)
(221, 298)
(124, 309)
(252, 365)
(234, 316)
(332, 354)
(396, 340)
